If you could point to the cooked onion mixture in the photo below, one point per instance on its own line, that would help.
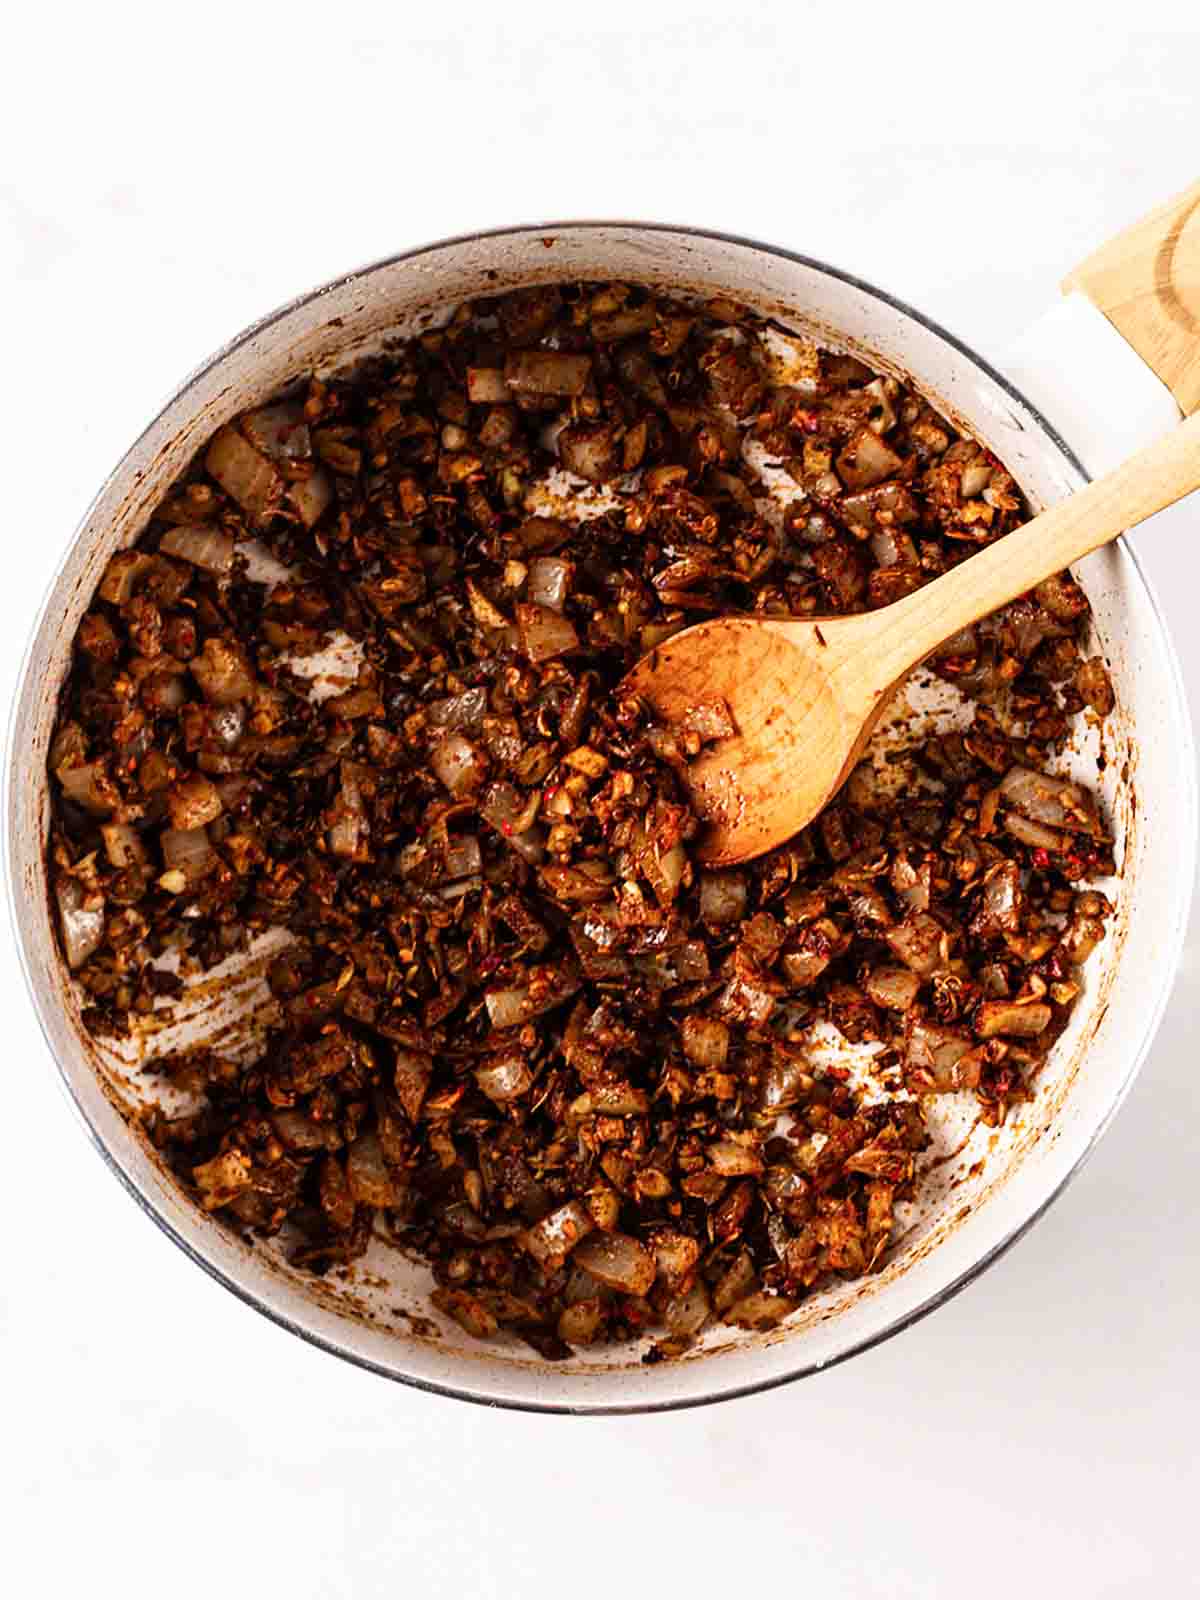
(521, 1031)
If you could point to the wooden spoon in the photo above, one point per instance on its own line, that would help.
(805, 695)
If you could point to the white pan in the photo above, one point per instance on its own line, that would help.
(977, 1202)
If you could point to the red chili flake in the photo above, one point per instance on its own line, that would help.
(1041, 858)
(506, 829)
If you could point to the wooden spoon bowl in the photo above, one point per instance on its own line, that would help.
(805, 695)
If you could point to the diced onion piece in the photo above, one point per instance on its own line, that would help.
(551, 1240)
(505, 1077)
(412, 1073)
(722, 897)
(457, 763)
(464, 710)
(1008, 1017)
(222, 1179)
(349, 829)
(91, 788)
(279, 431)
(734, 1160)
(867, 460)
(759, 1311)
(202, 545)
(1054, 801)
(617, 1261)
(589, 450)
(920, 942)
(935, 1051)
(549, 372)
(299, 1132)
(507, 1007)
(705, 1041)
(371, 1183)
(311, 495)
(550, 581)
(244, 473)
(544, 633)
(1035, 834)
(893, 987)
(487, 386)
(123, 845)
(81, 916)
(223, 673)
(463, 857)
(582, 1322)
(687, 1313)
(193, 801)
(187, 850)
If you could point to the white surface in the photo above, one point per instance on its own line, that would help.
(160, 190)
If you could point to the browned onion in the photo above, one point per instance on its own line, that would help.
(544, 633)
(458, 764)
(617, 1261)
(202, 545)
(81, 917)
(507, 1076)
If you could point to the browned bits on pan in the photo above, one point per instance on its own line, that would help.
(520, 1029)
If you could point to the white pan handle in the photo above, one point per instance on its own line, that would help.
(1117, 362)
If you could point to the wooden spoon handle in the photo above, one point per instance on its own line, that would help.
(1147, 283)
(902, 634)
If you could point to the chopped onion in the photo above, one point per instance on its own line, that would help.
(589, 450)
(705, 1041)
(544, 634)
(507, 1008)
(550, 581)
(244, 474)
(617, 1261)
(893, 987)
(457, 763)
(90, 787)
(1055, 801)
(279, 431)
(1035, 834)
(412, 1073)
(505, 1077)
(464, 710)
(463, 856)
(582, 1321)
(734, 1160)
(866, 460)
(920, 942)
(1009, 1017)
(371, 1183)
(222, 672)
(187, 850)
(687, 1313)
(936, 1051)
(551, 1240)
(202, 545)
(123, 845)
(298, 1131)
(349, 830)
(192, 802)
(549, 372)
(722, 897)
(487, 386)
(81, 916)
(311, 495)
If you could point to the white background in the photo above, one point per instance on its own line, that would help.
(168, 175)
